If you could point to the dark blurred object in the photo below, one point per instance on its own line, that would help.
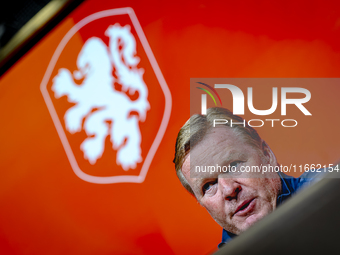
(16, 13)
(24, 23)
(306, 224)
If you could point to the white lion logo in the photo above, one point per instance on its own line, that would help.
(98, 102)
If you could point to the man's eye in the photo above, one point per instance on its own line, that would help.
(235, 163)
(206, 187)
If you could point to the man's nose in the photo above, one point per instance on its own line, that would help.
(229, 187)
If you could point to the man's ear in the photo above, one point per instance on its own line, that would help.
(268, 153)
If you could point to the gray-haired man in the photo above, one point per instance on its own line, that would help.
(235, 199)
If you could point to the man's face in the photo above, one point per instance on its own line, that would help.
(234, 200)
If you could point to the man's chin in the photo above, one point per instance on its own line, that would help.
(249, 221)
(243, 224)
(252, 219)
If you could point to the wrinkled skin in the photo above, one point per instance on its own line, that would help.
(235, 200)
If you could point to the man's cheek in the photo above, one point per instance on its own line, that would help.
(218, 214)
(262, 209)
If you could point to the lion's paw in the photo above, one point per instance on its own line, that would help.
(93, 149)
(73, 121)
(128, 157)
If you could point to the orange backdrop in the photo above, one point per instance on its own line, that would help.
(45, 208)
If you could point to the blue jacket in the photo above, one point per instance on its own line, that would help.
(290, 185)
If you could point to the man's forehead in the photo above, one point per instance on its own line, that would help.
(219, 133)
(212, 156)
(219, 136)
(218, 145)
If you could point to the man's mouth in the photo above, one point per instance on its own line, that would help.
(245, 207)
